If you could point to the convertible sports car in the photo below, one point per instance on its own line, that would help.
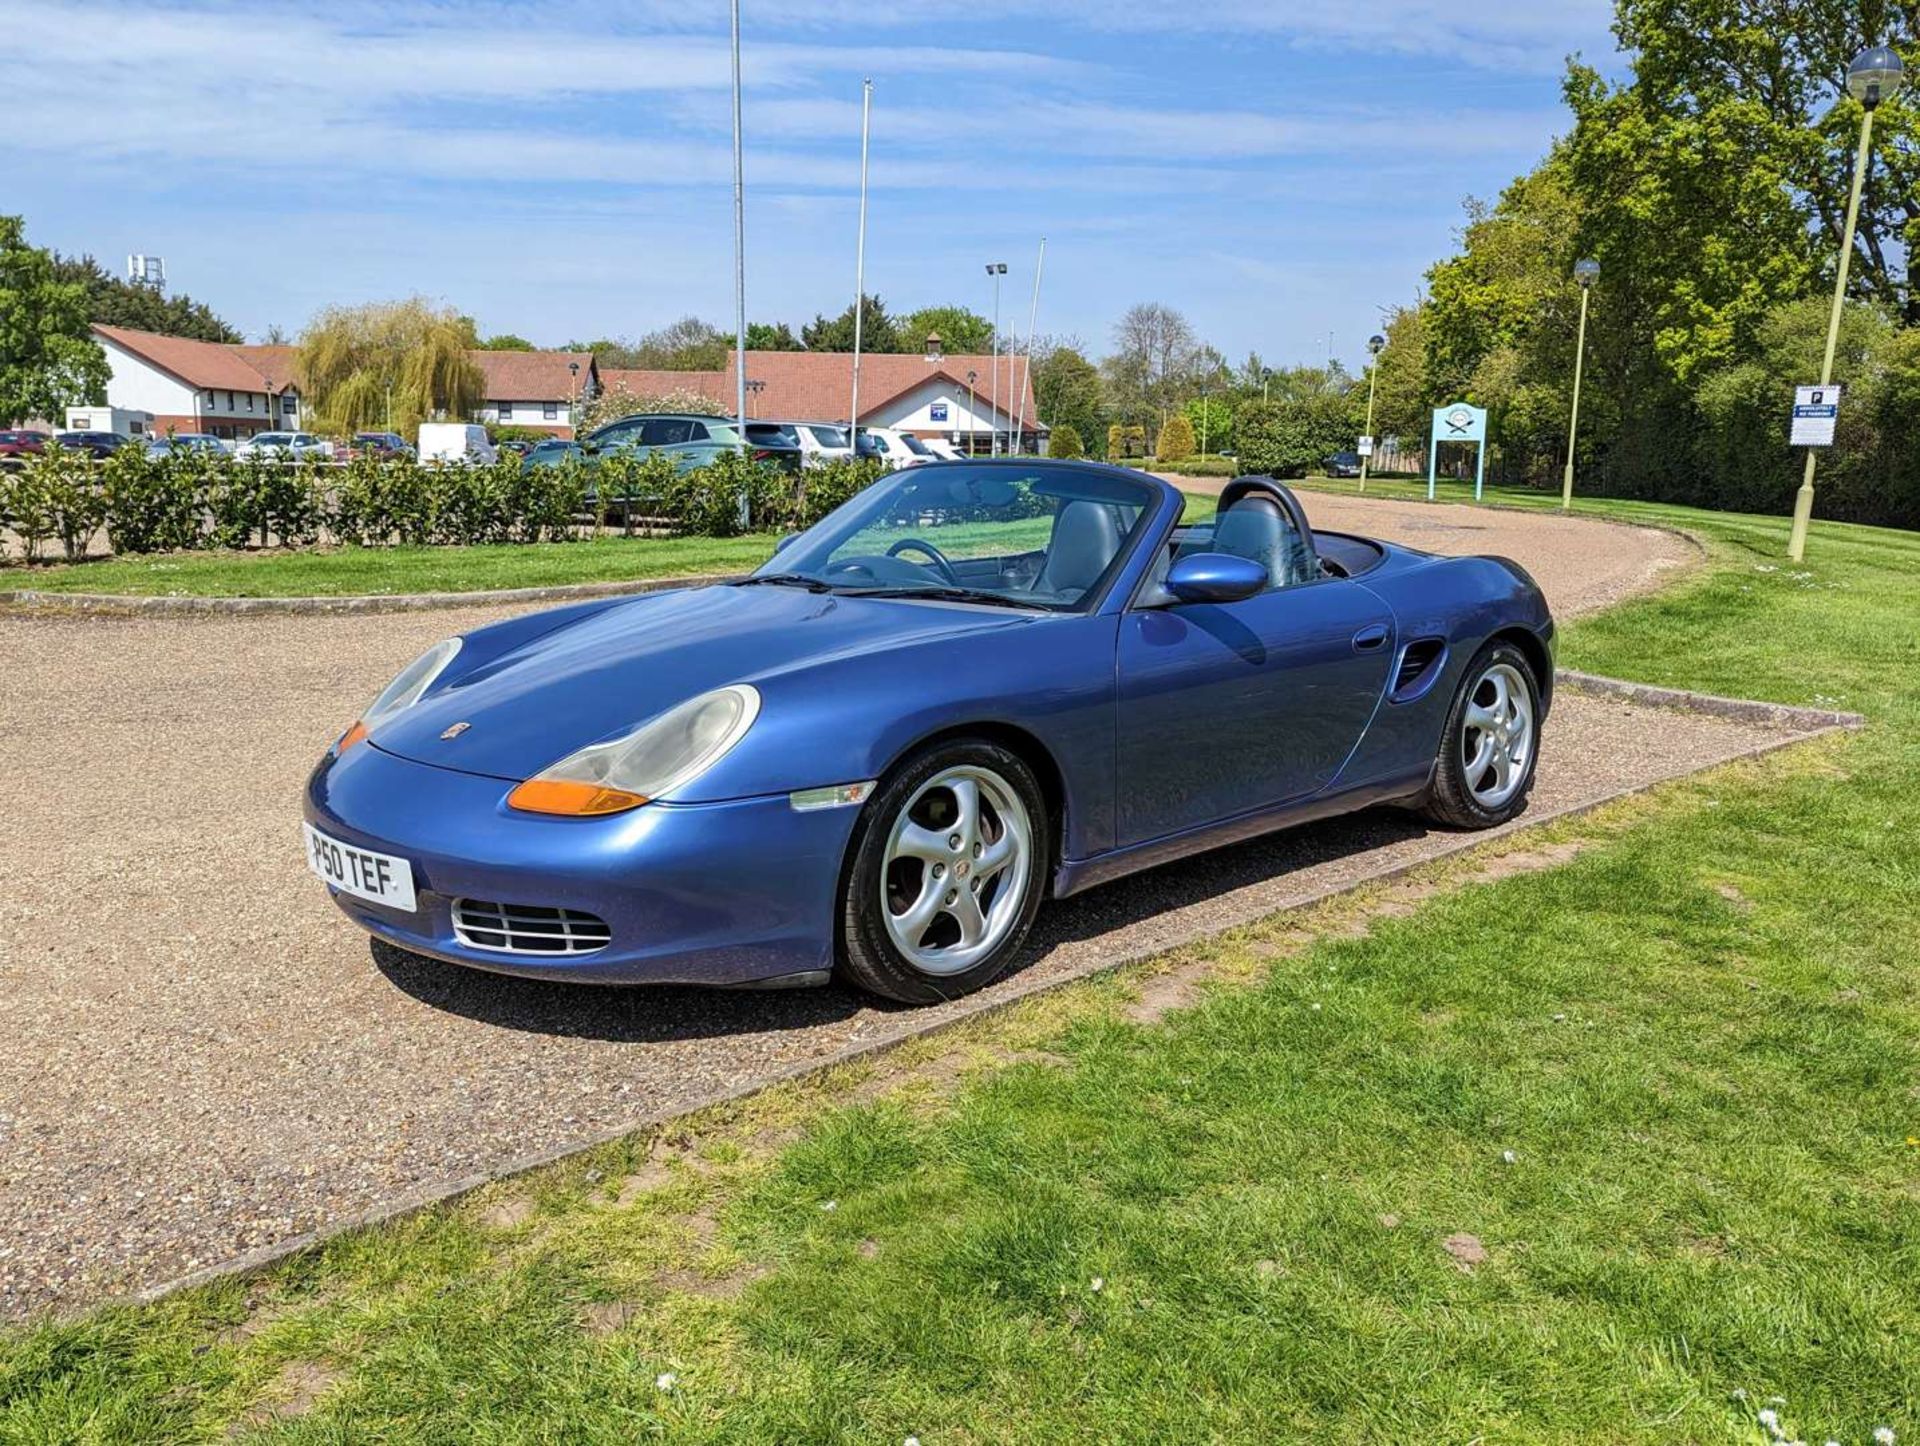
(974, 686)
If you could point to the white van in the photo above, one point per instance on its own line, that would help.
(455, 442)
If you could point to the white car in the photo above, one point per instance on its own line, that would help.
(284, 446)
(897, 449)
(456, 442)
(943, 450)
(822, 442)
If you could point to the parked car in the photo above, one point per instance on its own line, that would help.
(384, 445)
(283, 446)
(519, 446)
(693, 441)
(777, 443)
(456, 442)
(98, 445)
(977, 686)
(1343, 464)
(895, 448)
(942, 449)
(201, 442)
(16, 444)
(822, 442)
(551, 453)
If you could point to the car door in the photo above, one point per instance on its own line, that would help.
(1228, 708)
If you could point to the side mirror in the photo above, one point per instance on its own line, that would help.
(1215, 577)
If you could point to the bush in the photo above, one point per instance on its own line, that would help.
(822, 489)
(1176, 439)
(1065, 442)
(154, 504)
(23, 506)
(60, 497)
(1287, 439)
(1124, 442)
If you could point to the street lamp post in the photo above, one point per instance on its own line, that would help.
(1586, 273)
(860, 255)
(573, 400)
(1375, 345)
(755, 387)
(996, 269)
(1874, 76)
(973, 417)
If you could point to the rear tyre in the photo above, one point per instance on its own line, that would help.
(947, 870)
(1490, 744)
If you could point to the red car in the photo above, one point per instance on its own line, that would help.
(22, 444)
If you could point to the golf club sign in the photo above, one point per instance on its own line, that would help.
(1459, 422)
(1816, 412)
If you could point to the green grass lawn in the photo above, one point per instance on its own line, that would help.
(1671, 1089)
(347, 571)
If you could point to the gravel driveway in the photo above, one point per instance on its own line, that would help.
(200, 1057)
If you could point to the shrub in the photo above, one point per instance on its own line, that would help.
(1176, 439)
(1065, 442)
(1286, 439)
(62, 498)
(822, 489)
(154, 504)
(1124, 442)
(23, 506)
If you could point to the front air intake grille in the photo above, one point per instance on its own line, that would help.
(1415, 664)
(527, 928)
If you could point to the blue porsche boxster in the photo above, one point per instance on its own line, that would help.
(975, 686)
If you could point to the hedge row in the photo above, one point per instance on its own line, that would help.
(183, 501)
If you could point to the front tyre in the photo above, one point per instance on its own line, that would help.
(1490, 744)
(949, 864)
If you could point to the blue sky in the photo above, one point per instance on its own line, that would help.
(1277, 170)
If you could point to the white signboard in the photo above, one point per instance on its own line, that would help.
(1815, 411)
(1366, 447)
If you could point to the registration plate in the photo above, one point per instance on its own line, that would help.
(378, 878)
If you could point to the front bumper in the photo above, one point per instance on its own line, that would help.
(736, 894)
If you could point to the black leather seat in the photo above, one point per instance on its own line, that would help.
(1086, 538)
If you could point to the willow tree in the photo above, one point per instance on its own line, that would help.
(389, 365)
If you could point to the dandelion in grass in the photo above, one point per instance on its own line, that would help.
(1770, 1418)
(829, 1204)
(1883, 1435)
(665, 1382)
(1097, 1284)
(1509, 1157)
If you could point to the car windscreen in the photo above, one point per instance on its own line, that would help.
(828, 436)
(1046, 536)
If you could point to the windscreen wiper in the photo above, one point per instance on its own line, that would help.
(949, 594)
(783, 579)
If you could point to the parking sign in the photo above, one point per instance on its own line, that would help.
(1816, 411)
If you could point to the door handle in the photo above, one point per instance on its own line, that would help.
(1369, 639)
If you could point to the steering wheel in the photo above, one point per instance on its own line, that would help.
(938, 558)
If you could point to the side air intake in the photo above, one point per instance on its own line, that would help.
(1419, 665)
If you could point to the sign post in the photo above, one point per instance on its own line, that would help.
(1459, 422)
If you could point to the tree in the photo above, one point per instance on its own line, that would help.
(49, 360)
(688, 345)
(772, 336)
(1760, 86)
(112, 301)
(506, 341)
(1065, 442)
(878, 332)
(275, 335)
(404, 359)
(1211, 417)
(608, 352)
(962, 332)
(1154, 364)
(1175, 442)
(1067, 390)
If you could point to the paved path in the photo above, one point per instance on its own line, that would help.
(200, 1057)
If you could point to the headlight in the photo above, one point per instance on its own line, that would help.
(637, 767)
(403, 692)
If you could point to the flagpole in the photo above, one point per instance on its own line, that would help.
(860, 268)
(1026, 367)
